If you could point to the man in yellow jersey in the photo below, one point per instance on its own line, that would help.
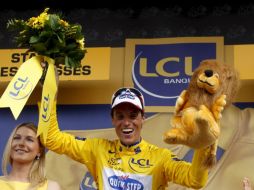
(129, 162)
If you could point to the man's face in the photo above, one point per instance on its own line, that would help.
(127, 120)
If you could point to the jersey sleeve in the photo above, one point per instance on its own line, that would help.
(81, 150)
(192, 175)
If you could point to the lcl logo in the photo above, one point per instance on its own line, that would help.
(174, 71)
(21, 88)
(45, 108)
(140, 165)
(160, 67)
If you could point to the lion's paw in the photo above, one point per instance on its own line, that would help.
(218, 107)
(170, 138)
(201, 122)
(204, 114)
(206, 124)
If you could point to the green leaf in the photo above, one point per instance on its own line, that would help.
(60, 38)
(59, 60)
(71, 46)
(54, 21)
(34, 39)
(45, 34)
(66, 61)
(39, 47)
(69, 62)
(77, 54)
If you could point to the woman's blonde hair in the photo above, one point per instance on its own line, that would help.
(37, 174)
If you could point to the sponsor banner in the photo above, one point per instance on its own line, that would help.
(95, 65)
(162, 68)
(243, 60)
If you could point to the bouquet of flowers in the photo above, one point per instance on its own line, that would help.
(50, 36)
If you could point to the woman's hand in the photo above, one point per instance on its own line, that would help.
(246, 184)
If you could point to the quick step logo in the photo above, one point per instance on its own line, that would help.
(124, 183)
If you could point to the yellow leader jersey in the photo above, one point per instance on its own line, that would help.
(114, 166)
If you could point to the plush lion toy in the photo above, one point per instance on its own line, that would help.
(198, 109)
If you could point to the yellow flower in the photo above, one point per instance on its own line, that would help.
(38, 22)
(64, 23)
(81, 43)
(31, 21)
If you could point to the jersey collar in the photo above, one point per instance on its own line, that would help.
(131, 150)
